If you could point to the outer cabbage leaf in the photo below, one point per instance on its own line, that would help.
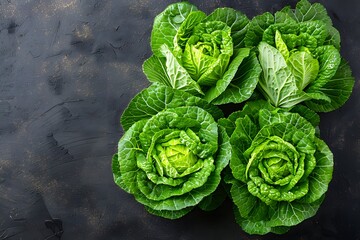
(167, 23)
(253, 108)
(258, 25)
(307, 113)
(338, 88)
(305, 11)
(236, 20)
(256, 28)
(170, 214)
(127, 179)
(243, 84)
(333, 37)
(223, 83)
(214, 200)
(157, 98)
(329, 61)
(155, 70)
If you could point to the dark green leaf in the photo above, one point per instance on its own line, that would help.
(167, 23)
(256, 29)
(224, 82)
(156, 98)
(234, 19)
(338, 89)
(243, 84)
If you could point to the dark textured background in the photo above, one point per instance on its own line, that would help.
(67, 71)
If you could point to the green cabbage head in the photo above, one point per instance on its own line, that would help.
(203, 55)
(171, 157)
(280, 169)
(299, 52)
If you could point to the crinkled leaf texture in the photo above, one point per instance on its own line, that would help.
(167, 23)
(304, 12)
(239, 82)
(338, 88)
(157, 98)
(280, 169)
(304, 64)
(203, 55)
(172, 155)
(236, 20)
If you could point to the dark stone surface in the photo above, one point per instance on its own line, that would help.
(67, 71)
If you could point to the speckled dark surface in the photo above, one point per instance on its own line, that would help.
(67, 71)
